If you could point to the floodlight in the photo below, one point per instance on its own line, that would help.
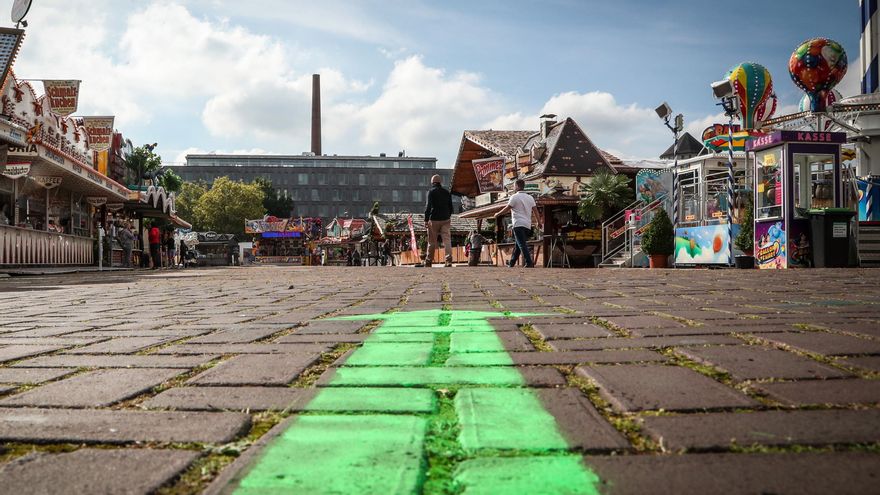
(722, 89)
(664, 111)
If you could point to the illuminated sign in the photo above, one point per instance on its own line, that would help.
(275, 235)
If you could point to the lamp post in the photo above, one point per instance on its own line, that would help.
(664, 111)
(723, 91)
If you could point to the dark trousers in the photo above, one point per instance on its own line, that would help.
(521, 236)
(154, 253)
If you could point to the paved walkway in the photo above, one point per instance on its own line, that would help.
(396, 380)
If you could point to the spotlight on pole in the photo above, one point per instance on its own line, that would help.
(664, 111)
(724, 91)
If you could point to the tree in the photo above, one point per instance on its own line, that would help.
(143, 160)
(745, 240)
(228, 204)
(275, 204)
(605, 194)
(170, 181)
(186, 201)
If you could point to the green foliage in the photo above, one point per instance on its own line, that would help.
(228, 204)
(143, 159)
(745, 240)
(604, 194)
(375, 209)
(186, 201)
(275, 204)
(170, 181)
(659, 237)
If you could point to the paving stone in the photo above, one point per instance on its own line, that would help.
(823, 343)
(563, 474)
(683, 331)
(571, 331)
(109, 426)
(735, 474)
(406, 376)
(93, 389)
(32, 375)
(269, 369)
(642, 342)
(115, 361)
(236, 336)
(228, 398)
(486, 422)
(722, 430)
(749, 362)
(549, 358)
(245, 349)
(871, 328)
(847, 391)
(316, 338)
(60, 341)
(460, 343)
(341, 454)
(639, 387)
(391, 354)
(643, 321)
(122, 345)
(384, 399)
(123, 471)
(581, 425)
(15, 352)
(330, 327)
(51, 331)
(868, 362)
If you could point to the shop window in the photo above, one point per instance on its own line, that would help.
(813, 183)
(7, 206)
(768, 182)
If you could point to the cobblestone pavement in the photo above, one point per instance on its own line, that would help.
(397, 380)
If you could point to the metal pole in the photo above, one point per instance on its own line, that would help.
(730, 187)
(676, 194)
(100, 248)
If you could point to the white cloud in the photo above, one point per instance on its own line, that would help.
(851, 84)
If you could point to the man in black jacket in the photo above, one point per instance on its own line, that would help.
(438, 211)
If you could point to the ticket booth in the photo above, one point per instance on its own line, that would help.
(795, 172)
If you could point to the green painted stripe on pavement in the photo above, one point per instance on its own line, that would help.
(547, 475)
(505, 419)
(480, 359)
(391, 354)
(475, 342)
(361, 399)
(413, 376)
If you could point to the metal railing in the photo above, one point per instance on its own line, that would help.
(617, 234)
(26, 247)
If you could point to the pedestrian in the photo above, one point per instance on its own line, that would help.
(476, 241)
(155, 238)
(126, 240)
(349, 257)
(111, 237)
(386, 251)
(523, 209)
(323, 256)
(438, 212)
(356, 258)
(184, 252)
(171, 249)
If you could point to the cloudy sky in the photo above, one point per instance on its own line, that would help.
(233, 76)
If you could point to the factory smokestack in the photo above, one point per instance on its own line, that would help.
(316, 114)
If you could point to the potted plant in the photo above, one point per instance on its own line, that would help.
(745, 240)
(658, 240)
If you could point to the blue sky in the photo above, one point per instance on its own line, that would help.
(225, 76)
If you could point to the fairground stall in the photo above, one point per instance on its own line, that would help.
(52, 195)
(798, 193)
(213, 249)
(407, 236)
(283, 240)
(554, 162)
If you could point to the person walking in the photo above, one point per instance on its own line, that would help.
(475, 241)
(155, 238)
(438, 212)
(171, 249)
(523, 209)
(126, 239)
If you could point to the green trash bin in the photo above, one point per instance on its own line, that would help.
(832, 234)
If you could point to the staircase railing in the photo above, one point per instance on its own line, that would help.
(614, 231)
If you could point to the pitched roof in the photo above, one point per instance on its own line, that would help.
(569, 152)
(687, 146)
(502, 143)
(397, 222)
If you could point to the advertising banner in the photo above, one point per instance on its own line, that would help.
(800, 253)
(490, 174)
(770, 245)
(15, 170)
(100, 131)
(96, 201)
(652, 185)
(703, 245)
(63, 95)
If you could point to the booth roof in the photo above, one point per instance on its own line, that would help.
(397, 222)
(687, 146)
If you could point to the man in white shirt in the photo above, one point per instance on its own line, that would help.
(523, 207)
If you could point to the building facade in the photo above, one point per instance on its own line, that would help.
(869, 47)
(328, 186)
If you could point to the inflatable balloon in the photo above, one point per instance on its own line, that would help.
(753, 85)
(766, 111)
(816, 66)
(829, 98)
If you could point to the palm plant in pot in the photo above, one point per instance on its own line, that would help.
(745, 240)
(658, 240)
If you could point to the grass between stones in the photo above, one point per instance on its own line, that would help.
(177, 381)
(440, 350)
(624, 423)
(753, 340)
(535, 338)
(443, 453)
(312, 373)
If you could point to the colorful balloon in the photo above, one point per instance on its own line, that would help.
(766, 111)
(829, 98)
(816, 66)
(753, 85)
